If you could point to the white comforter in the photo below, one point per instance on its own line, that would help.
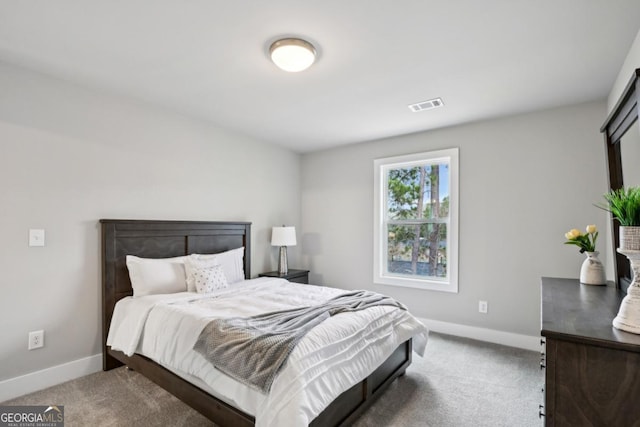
(331, 358)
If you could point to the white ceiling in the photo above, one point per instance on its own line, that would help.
(207, 58)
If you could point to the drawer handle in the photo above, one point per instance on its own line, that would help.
(540, 411)
(542, 365)
(542, 341)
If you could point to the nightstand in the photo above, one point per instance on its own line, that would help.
(297, 276)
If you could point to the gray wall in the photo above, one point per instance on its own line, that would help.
(630, 64)
(524, 181)
(68, 157)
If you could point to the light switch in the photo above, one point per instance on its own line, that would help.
(36, 237)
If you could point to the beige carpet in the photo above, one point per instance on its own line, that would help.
(460, 382)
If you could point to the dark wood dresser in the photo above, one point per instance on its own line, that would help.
(592, 370)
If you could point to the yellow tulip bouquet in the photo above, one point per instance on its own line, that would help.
(586, 242)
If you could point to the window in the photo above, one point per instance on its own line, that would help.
(416, 221)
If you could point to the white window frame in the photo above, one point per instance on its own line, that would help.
(381, 168)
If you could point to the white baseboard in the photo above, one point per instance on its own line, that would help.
(510, 339)
(18, 386)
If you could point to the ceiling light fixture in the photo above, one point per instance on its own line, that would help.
(292, 54)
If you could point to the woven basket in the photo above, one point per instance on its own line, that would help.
(630, 238)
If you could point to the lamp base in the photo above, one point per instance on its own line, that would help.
(282, 262)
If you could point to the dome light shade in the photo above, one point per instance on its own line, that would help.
(292, 55)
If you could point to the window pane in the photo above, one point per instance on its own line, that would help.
(418, 192)
(417, 250)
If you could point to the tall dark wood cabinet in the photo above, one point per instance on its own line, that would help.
(592, 370)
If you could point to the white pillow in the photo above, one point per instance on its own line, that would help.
(232, 263)
(209, 279)
(156, 276)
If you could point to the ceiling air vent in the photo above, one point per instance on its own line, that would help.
(426, 105)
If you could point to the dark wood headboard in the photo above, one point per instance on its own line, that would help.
(159, 239)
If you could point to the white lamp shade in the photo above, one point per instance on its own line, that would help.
(283, 236)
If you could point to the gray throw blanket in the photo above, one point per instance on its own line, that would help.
(253, 349)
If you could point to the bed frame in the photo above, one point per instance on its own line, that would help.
(163, 239)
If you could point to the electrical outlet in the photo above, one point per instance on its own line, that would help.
(36, 339)
(483, 307)
(36, 237)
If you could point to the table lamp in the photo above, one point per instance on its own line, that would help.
(283, 237)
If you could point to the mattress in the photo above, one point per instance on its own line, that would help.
(332, 357)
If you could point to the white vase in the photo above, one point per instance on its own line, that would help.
(592, 270)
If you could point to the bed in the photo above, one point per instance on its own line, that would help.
(165, 239)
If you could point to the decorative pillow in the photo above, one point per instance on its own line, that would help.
(232, 263)
(156, 276)
(191, 264)
(209, 279)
